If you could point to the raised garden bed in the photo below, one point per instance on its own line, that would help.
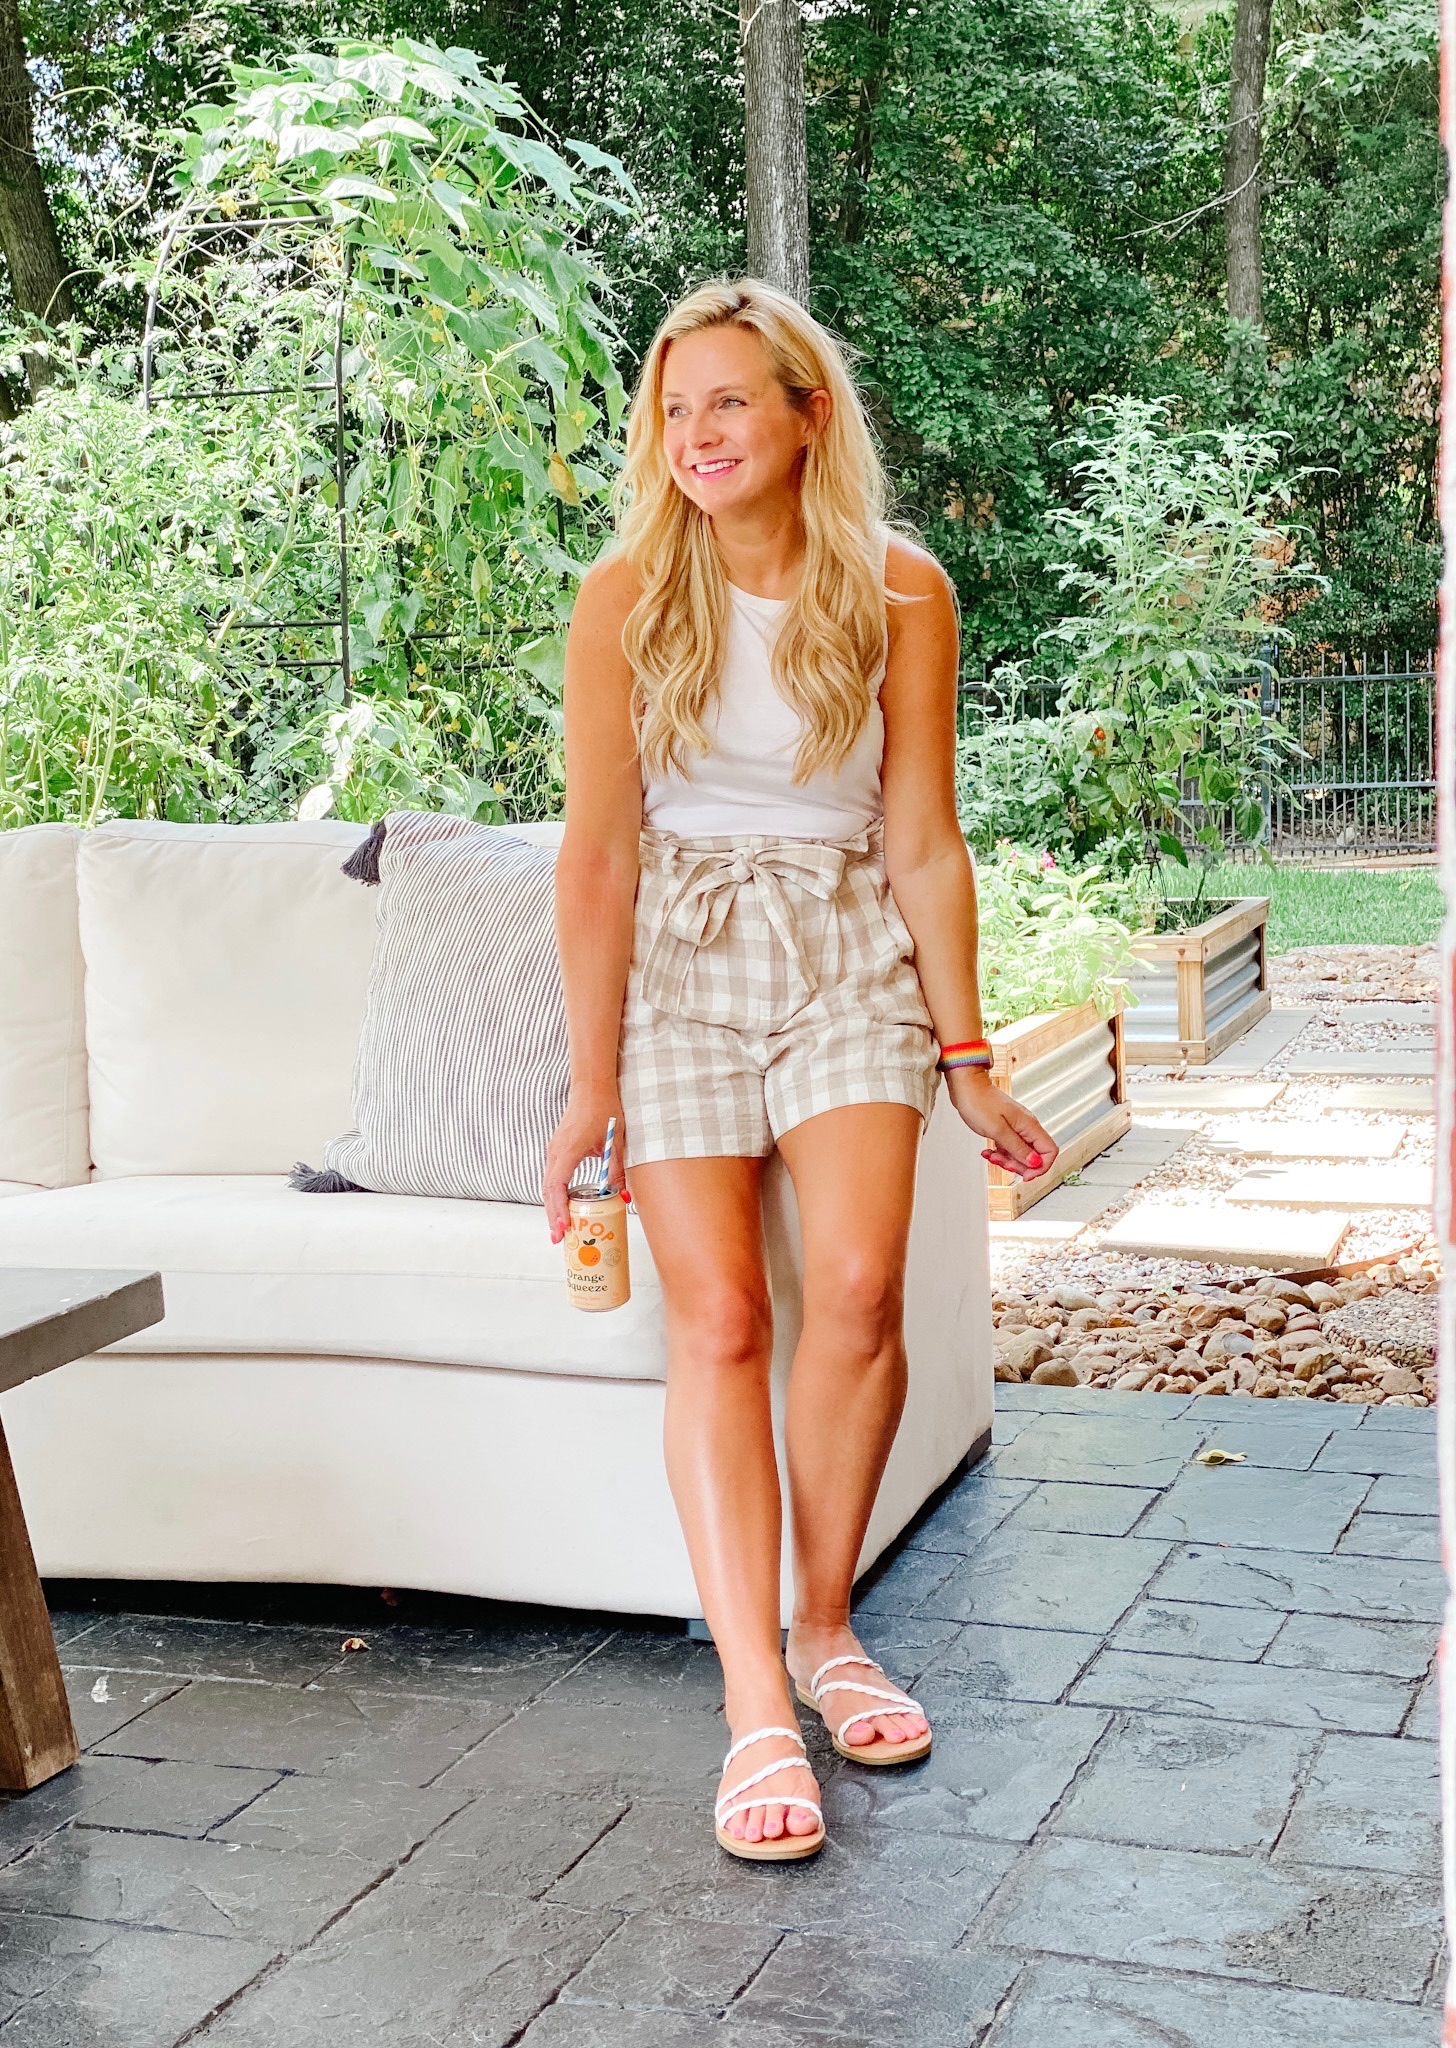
(1066, 1067)
(1199, 989)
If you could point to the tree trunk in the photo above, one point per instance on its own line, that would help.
(862, 148)
(28, 237)
(1241, 161)
(778, 174)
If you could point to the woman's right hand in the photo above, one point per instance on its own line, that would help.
(581, 1133)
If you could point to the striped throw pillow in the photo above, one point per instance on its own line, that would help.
(461, 1075)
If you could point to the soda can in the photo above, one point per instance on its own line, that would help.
(596, 1252)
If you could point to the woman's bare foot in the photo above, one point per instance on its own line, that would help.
(809, 1647)
(766, 1823)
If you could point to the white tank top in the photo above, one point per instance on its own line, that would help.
(745, 784)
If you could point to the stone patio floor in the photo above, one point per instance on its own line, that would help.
(1183, 1789)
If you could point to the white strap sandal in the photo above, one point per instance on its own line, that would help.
(880, 1751)
(785, 1848)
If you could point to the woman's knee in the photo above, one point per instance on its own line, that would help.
(725, 1318)
(864, 1300)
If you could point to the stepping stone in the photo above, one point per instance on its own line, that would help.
(1395, 1186)
(1269, 1036)
(1420, 1016)
(1195, 1095)
(1396, 1098)
(1368, 1066)
(1328, 1140)
(1233, 1236)
(1035, 1229)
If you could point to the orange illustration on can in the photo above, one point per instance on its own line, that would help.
(596, 1252)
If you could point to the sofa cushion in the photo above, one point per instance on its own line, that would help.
(226, 968)
(248, 1265)
(462, 1071)
(43, 1135)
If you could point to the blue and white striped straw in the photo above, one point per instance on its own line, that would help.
(604, 1185)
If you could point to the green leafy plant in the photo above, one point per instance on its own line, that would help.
(380, 240)
(1051, 936)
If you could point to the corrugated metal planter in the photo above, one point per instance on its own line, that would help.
(1066, 1067)
(1198, 990)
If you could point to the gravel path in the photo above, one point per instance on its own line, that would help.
(1072, 1314)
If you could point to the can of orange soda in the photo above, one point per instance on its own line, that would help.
(596, 1252)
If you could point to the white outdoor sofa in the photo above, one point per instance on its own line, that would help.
(350, 1389)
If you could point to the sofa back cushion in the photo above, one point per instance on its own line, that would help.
(226, 968)
(43, 1137)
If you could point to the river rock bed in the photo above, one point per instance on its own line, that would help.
(1250, 1333)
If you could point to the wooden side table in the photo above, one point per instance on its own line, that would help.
(47, 1318)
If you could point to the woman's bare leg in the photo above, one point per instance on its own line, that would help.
(854, 1175)
(704, 1224)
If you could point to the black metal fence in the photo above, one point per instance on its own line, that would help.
(1363, 780)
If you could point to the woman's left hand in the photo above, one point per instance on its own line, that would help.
(1016, 1142)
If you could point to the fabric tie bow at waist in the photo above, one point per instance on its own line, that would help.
(699, 910)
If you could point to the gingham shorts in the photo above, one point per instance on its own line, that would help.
(771, 980)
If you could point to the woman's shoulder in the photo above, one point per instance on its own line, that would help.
(911, 570)
(608, 591)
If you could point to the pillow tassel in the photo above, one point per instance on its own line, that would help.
(363, 863)
(322, 1180)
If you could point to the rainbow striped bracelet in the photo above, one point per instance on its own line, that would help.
(970, 1052)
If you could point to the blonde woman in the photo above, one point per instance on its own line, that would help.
(767, 923)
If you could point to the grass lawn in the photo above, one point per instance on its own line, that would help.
(1334, 907)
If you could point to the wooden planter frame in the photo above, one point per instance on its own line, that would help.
(1187, 954)
(1018, 1046)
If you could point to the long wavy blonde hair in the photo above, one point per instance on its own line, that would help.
(831, 642)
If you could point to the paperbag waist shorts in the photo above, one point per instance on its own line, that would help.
(771, 980)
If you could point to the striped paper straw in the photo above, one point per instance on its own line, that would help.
(603, 1186)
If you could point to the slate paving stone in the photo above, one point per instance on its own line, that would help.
(1037, 1580)
(900, 1586)
(1033, 1664)
(1005, 1429)
(1380, 1588)
(515, 1844)
(897, 1887)
(506, 1665)
(1362, 1701)
(1413, 1421)
(640, 1668)
(594, 2026)
(178, 1799)
(1076, 2005)
(1372, 1535)
(417, 1971)
(904, 1644)
(1135, 1452)
(621, 1752)
(655, 1963)
(1287, 1446)
(1069, 1506)
(1359, 1933)
(140, 1989)
(817, 1987)
(979, 1504)
(386, 1738)
(1407, 1452)
(1185, 1783)
(372, 1825)
(1423, 1724)
(184, 1646)
(213, 1888)
(1329, 1642)
(1398, 1493)
(30, 1817)
(1087, 1402)
(68, 1625)
(102, 1702)
(987, 1774)
(1257, 1508)
(38, 1950)
(1369, 1804)
(1237, 1635)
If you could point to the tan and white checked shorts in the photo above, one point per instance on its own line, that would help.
(771, 979)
